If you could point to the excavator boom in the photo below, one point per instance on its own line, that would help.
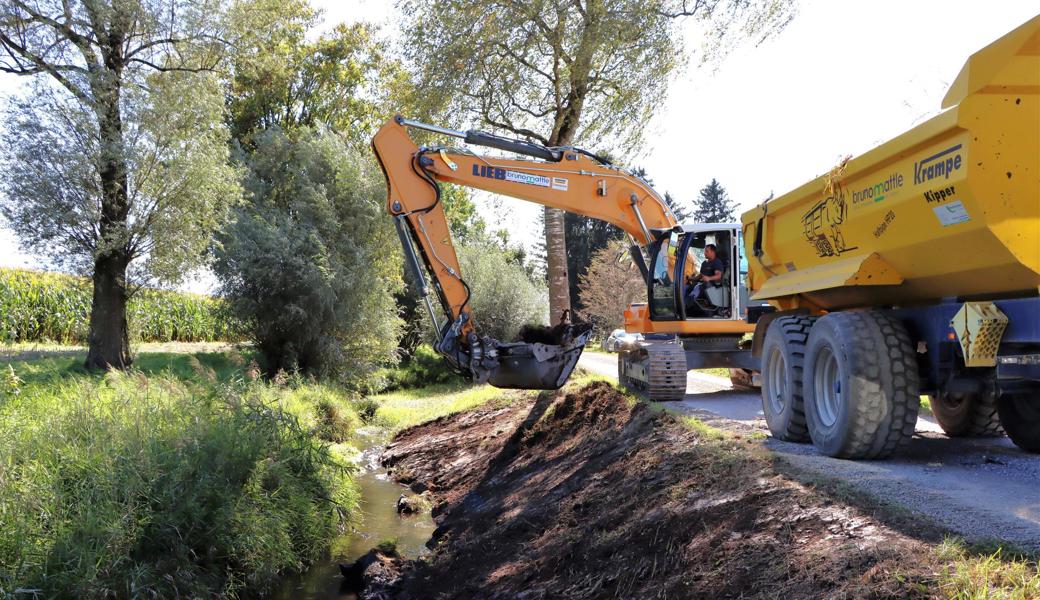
(567, 178)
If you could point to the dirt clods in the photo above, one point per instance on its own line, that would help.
(372, 577)
(540, 334)
(410, 504)
(592, 495)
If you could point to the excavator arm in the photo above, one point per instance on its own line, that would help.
(567, 178)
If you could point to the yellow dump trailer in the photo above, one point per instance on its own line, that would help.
(912, 268)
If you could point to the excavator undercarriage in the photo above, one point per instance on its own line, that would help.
(654, 369)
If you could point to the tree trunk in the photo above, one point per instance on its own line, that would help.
(109, 337)
(556, 231)
(556, 264)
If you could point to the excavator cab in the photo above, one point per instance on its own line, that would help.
(677, 256)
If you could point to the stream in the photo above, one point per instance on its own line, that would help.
(379, 521)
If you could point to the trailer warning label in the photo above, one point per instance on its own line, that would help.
(951, 213)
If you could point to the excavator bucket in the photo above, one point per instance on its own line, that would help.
(534, 365)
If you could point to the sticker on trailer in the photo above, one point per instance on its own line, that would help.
(951, 213)
(527, 178)
(559, 183)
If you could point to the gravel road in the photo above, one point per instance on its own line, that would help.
(983, 489)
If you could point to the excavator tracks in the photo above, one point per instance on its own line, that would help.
(655, 370)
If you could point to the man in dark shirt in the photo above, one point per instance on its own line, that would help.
(711, 270)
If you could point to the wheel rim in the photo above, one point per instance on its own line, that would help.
(777, 381)
(827, 387)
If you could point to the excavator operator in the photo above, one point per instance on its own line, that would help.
(711, 270)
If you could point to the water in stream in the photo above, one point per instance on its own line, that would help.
(379, 521)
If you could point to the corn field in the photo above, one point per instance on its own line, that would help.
(51, 307)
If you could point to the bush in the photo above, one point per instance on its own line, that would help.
(129, 486)
(424, 367)
(504, 298)
(609, 287)
(311, 258)
(51, 307)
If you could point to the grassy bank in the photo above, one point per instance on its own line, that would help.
(405, 408)
(182, 478)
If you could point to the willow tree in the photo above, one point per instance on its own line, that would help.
(119, 156)
(564, 72)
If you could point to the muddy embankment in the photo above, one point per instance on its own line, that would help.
(588, 495)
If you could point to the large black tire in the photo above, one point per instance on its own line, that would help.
(783, 355)
(967, 415)
(1020, 416)
(861, 385)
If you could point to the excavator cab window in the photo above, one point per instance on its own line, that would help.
(715, 298)
(662, 283)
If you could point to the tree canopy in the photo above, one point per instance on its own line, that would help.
(566, 72)
(714, 205)
(610, 286)
(310, 257)
(343, 79)
(122, 138)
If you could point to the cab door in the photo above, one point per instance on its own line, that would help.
(663, 286)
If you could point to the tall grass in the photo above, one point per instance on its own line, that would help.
(41, 307)
(182, 483)
(986, 574)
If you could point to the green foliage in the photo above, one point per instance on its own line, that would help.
(405, 408)
(713, 205)
(585, 237)
(986, 573)
(609, 287)
(465, 223)
(583, 70)
(503, 297)
(424, 367)
(342, 80)
(170, 485)
(50, 307)
(388, 546)
(116, 163)
(11, 385)
(310, 259)
(179, 180)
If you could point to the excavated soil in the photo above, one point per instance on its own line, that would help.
(589, 495)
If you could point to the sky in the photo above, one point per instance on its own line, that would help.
(843, 77)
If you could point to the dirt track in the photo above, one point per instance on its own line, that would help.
(590, 496)
(981, 489)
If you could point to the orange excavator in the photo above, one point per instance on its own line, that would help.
(691, 332)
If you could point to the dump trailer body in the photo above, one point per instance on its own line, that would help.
(912, 269)
(950, 208)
